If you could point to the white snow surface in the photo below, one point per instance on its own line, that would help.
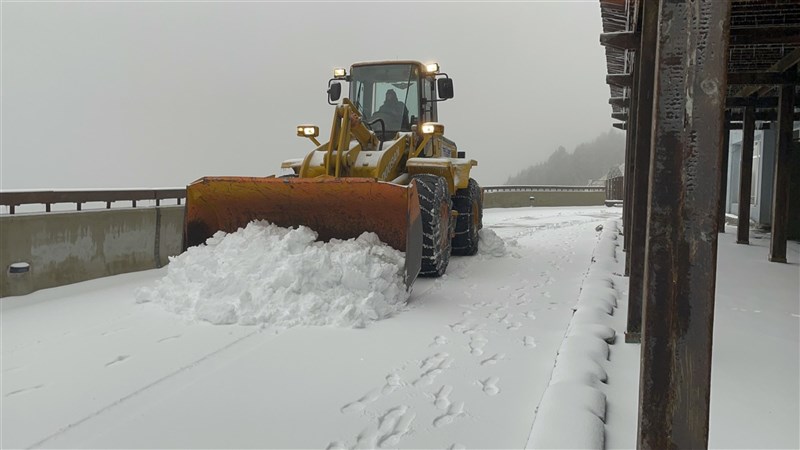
(465, 365)
(269, 275)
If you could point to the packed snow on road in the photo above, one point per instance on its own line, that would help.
(265, 338)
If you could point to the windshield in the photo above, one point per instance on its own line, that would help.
(389, 92)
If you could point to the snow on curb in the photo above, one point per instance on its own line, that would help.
(573, 400)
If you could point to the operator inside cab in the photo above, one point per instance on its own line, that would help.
(394, 112)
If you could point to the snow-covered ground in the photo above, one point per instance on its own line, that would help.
(465, 364)
(755, 372)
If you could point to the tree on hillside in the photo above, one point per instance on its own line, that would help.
(589, 161)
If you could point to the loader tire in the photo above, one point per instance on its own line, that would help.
(469, 205)
(435, 206)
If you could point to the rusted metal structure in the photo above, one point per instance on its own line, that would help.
(682, 74)
(14, 199)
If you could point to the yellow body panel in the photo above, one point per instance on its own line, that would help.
(348, 185)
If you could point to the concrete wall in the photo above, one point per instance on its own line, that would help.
(64, 248)
(511, 199)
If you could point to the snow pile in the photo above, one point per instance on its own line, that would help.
(491, 244)
(265, 274)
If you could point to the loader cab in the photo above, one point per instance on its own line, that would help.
(393, 96)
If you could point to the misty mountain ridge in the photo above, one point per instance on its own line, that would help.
(589, 161)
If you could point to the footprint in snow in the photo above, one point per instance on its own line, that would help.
(489, 385)
(453, 411)
(494, 359)
(439, 340)
(393, 382)
(442, 400)
(475, 327)
(361, 403)
(457, 446)
(530, 315)
(476, 345)
(457, 327)
(529, 341)
(387, 432)
(546, 294)
(118, 359)
(514, 326)
(433, 361)
(394, 425)
(432, 367)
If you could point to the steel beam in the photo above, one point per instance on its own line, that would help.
(619, 125)
(623, 116)
(788, 35)
(681, 258)
(781, 66)
(723, 176)
(761, 78)
(623, 40)
(646, 62)
(780, 191)
(746, 176)
(624, 102)
(620, 79)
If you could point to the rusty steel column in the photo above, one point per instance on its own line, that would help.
(681, 258)
(723, 176)
(630, 165)
(780, 191)
(626, 201)
(746, 175)
(646, 66)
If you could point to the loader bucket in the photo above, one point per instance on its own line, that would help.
(340, 208)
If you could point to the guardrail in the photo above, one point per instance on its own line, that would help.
(13, 199)
(536, 188)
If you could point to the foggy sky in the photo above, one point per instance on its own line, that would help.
(124, 95)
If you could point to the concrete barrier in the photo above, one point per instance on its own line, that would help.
(43, 250)
(64, 248)
(499, 197)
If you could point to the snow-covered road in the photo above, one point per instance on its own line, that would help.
(465, 364)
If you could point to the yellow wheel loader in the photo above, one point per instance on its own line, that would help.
(386, 168)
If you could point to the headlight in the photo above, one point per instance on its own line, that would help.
(307, 130)
(433, 128)
(432, 67)
(339, 73)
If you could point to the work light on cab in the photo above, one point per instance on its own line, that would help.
(309, 131)
(432, 67)
(433, 128)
